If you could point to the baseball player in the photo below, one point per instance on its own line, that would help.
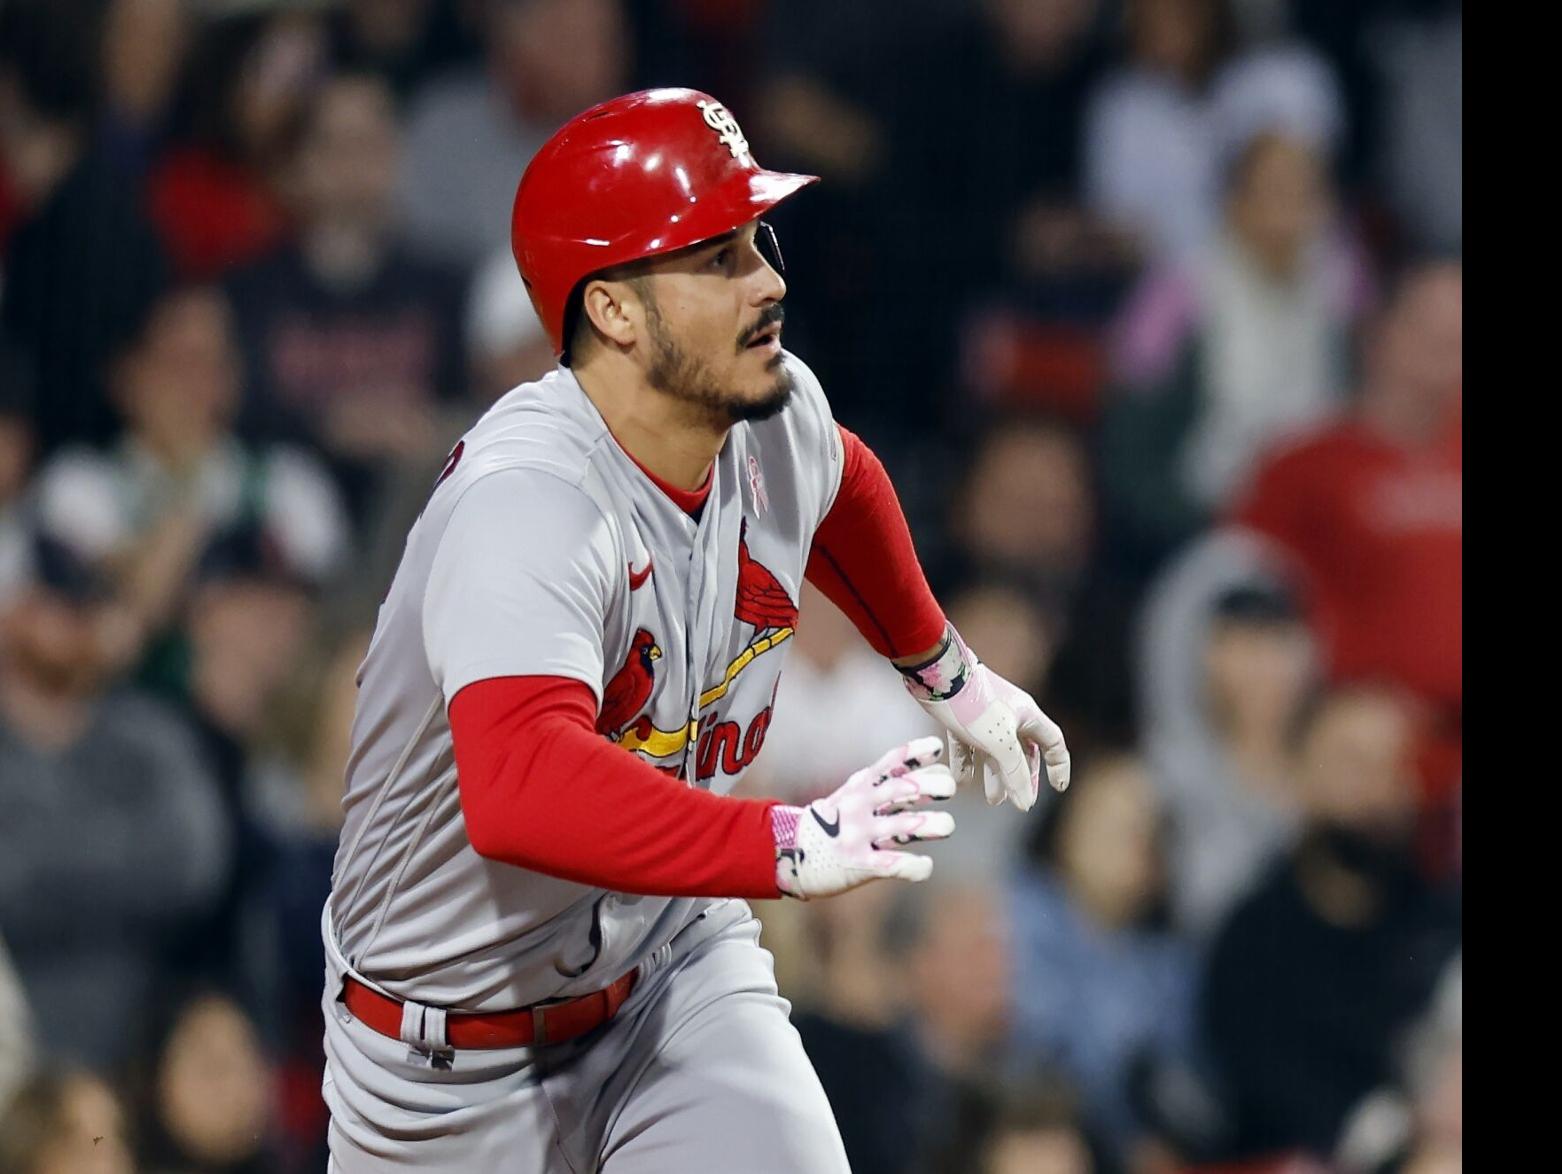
(539, 953)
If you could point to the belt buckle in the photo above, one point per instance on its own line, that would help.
(539, 1026)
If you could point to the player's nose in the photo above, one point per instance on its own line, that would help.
(769, 286)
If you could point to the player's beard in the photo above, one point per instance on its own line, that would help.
(676, 373)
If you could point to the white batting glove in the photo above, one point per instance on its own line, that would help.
(996, 731)
(838, 842)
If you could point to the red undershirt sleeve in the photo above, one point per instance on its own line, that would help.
(541, 789)
(864, 561)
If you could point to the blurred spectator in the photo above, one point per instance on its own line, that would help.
(956, 937)
(506, 345)
(1223, 353)
(143, 54)
(1433, 1088)
(113, 835)
(722, 46)
(951, 941)
(1371, 507)
(1019, 634)
(401, 41)
(294, 792)
(1027, 507)
(1031, 274)
(1028, 67)
(64, 1122)
(1026, 512)
(1102, 990)
(850, 1017)
(1036, 1130)
(82, 264)
(937, 194)
(207, 1094)
(146, 509)
(1225, 663)
(1416, 1122)
(348, 342)
(16, 1031)
(1339, 948)
(214, 193)
(470, 136)
(244, 626)
(1159, 132)
(1422, 64)
(838, 705)
(1018, 638)
(16, 458)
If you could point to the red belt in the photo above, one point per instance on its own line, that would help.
(543, 1023)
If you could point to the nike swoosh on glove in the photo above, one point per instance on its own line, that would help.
(996, 730)
(838, 842)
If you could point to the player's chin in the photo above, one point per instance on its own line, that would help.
(763, 398)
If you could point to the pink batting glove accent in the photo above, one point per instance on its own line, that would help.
(839, 842)
(995, 729)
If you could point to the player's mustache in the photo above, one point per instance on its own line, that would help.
(773, 315)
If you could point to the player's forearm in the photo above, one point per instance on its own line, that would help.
(541, 790)
(864, 561)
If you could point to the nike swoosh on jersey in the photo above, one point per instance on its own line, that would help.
(637, 578)
(830, 829)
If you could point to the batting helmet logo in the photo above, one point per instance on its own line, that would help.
(720, 120)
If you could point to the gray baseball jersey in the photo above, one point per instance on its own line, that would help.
(546, 550)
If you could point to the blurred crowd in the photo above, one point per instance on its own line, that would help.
(1151, 307)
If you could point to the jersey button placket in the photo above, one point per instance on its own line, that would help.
(703, 574)
(693, 660)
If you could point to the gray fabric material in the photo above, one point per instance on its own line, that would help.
(700, 1070)
(103, 846)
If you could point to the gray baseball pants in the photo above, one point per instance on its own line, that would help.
(700, 1071)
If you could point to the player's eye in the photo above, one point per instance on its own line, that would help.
(723, 258)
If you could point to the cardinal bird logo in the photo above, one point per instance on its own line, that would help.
(629, 690)
(762, 601)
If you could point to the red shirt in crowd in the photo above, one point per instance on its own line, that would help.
(1378, 530)
(212, 215)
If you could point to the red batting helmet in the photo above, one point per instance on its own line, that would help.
(643, 174)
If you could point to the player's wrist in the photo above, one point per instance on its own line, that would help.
(943, 673)
(784, 822)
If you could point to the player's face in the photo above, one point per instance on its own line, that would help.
(713, 319)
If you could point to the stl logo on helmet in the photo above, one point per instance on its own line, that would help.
(720, 120)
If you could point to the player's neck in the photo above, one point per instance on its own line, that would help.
(665, 436)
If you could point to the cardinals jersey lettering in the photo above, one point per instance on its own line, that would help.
(545, 550)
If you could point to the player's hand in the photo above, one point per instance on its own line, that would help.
(996, 731)
(839, 842)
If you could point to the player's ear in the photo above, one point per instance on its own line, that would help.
(614, 309)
